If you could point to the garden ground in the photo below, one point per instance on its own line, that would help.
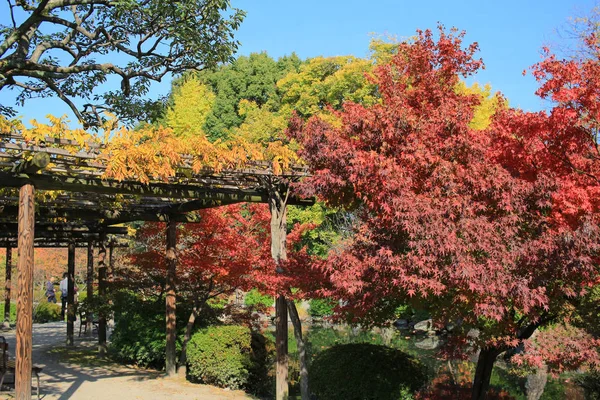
(76, 373)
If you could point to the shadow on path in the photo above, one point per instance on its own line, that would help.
(76, 373)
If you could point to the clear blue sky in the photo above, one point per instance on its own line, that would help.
(510, 34)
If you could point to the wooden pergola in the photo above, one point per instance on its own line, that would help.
(52, 196)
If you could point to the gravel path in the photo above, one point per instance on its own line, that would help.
(75, 373)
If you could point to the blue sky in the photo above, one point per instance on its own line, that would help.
(510, 34)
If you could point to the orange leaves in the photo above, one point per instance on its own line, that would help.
(151, 153)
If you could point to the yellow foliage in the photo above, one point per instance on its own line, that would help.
(192, 101)
(487, 107)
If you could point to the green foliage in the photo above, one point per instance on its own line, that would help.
(153, 38)
(46, 312)
(254, 298)
(587, 313)
(229, 356)
(591, 385)
(251, 78)
(332, 226)
(321, 307)
(139, 334)
(330, 81)
(365, 371)
(13, 313)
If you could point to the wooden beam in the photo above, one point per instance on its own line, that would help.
(102, 294)
(167, 190)
(53, 243)
(171, 357)
(278, 209)
(25, 265)
(7, 286)
(73, 227)
(58, 235)
(71, 294)
(107, 217)
(90, 285)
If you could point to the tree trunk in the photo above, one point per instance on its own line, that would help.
(277, 205)
(70, 294)
(101, 295)
(182, 370)
(89, 286)
(7, 286)
(483, 372)
(25, 293)
(304, 388)
(171, 356)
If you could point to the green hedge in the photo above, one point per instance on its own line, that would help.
(140, 331)
(229, 356)
(46, 312)
(139, 336)
(362, 371)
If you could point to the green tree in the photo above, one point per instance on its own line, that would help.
(251, 78)
(330, 81)
(67, 48)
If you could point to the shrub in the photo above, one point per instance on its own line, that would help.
(46, 312)
(229, 356)
(590, 382)
(139, 334)
(254, 298)
(319, 308)
(365, 371)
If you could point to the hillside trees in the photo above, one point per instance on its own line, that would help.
(468, 221)
(67, 48)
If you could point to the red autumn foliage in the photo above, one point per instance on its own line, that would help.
(495, 230)
(228, 249)
(561, 348)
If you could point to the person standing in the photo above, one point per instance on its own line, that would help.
(64, 291)
(50, 295)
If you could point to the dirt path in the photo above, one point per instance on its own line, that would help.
(78, 374)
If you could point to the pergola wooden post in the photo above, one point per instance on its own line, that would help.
(101, 294)
(171, 356)
(277, 205)
(111, 264)
(89, 284)
(70, 293)
(7, 286)
(25, 293)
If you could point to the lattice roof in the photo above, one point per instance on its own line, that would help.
(83, 195)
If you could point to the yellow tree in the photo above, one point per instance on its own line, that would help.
(192, 101)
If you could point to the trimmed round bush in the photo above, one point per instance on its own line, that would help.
(363, 371)
(228, 356)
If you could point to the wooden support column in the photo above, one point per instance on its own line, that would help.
(7, 286)
(171, 356)
(111, 264)
(89, 285)
(102, 294)
(277, 205)
(25, 293)
(70, 293)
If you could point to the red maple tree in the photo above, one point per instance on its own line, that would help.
(472, 223)
(228, 249)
